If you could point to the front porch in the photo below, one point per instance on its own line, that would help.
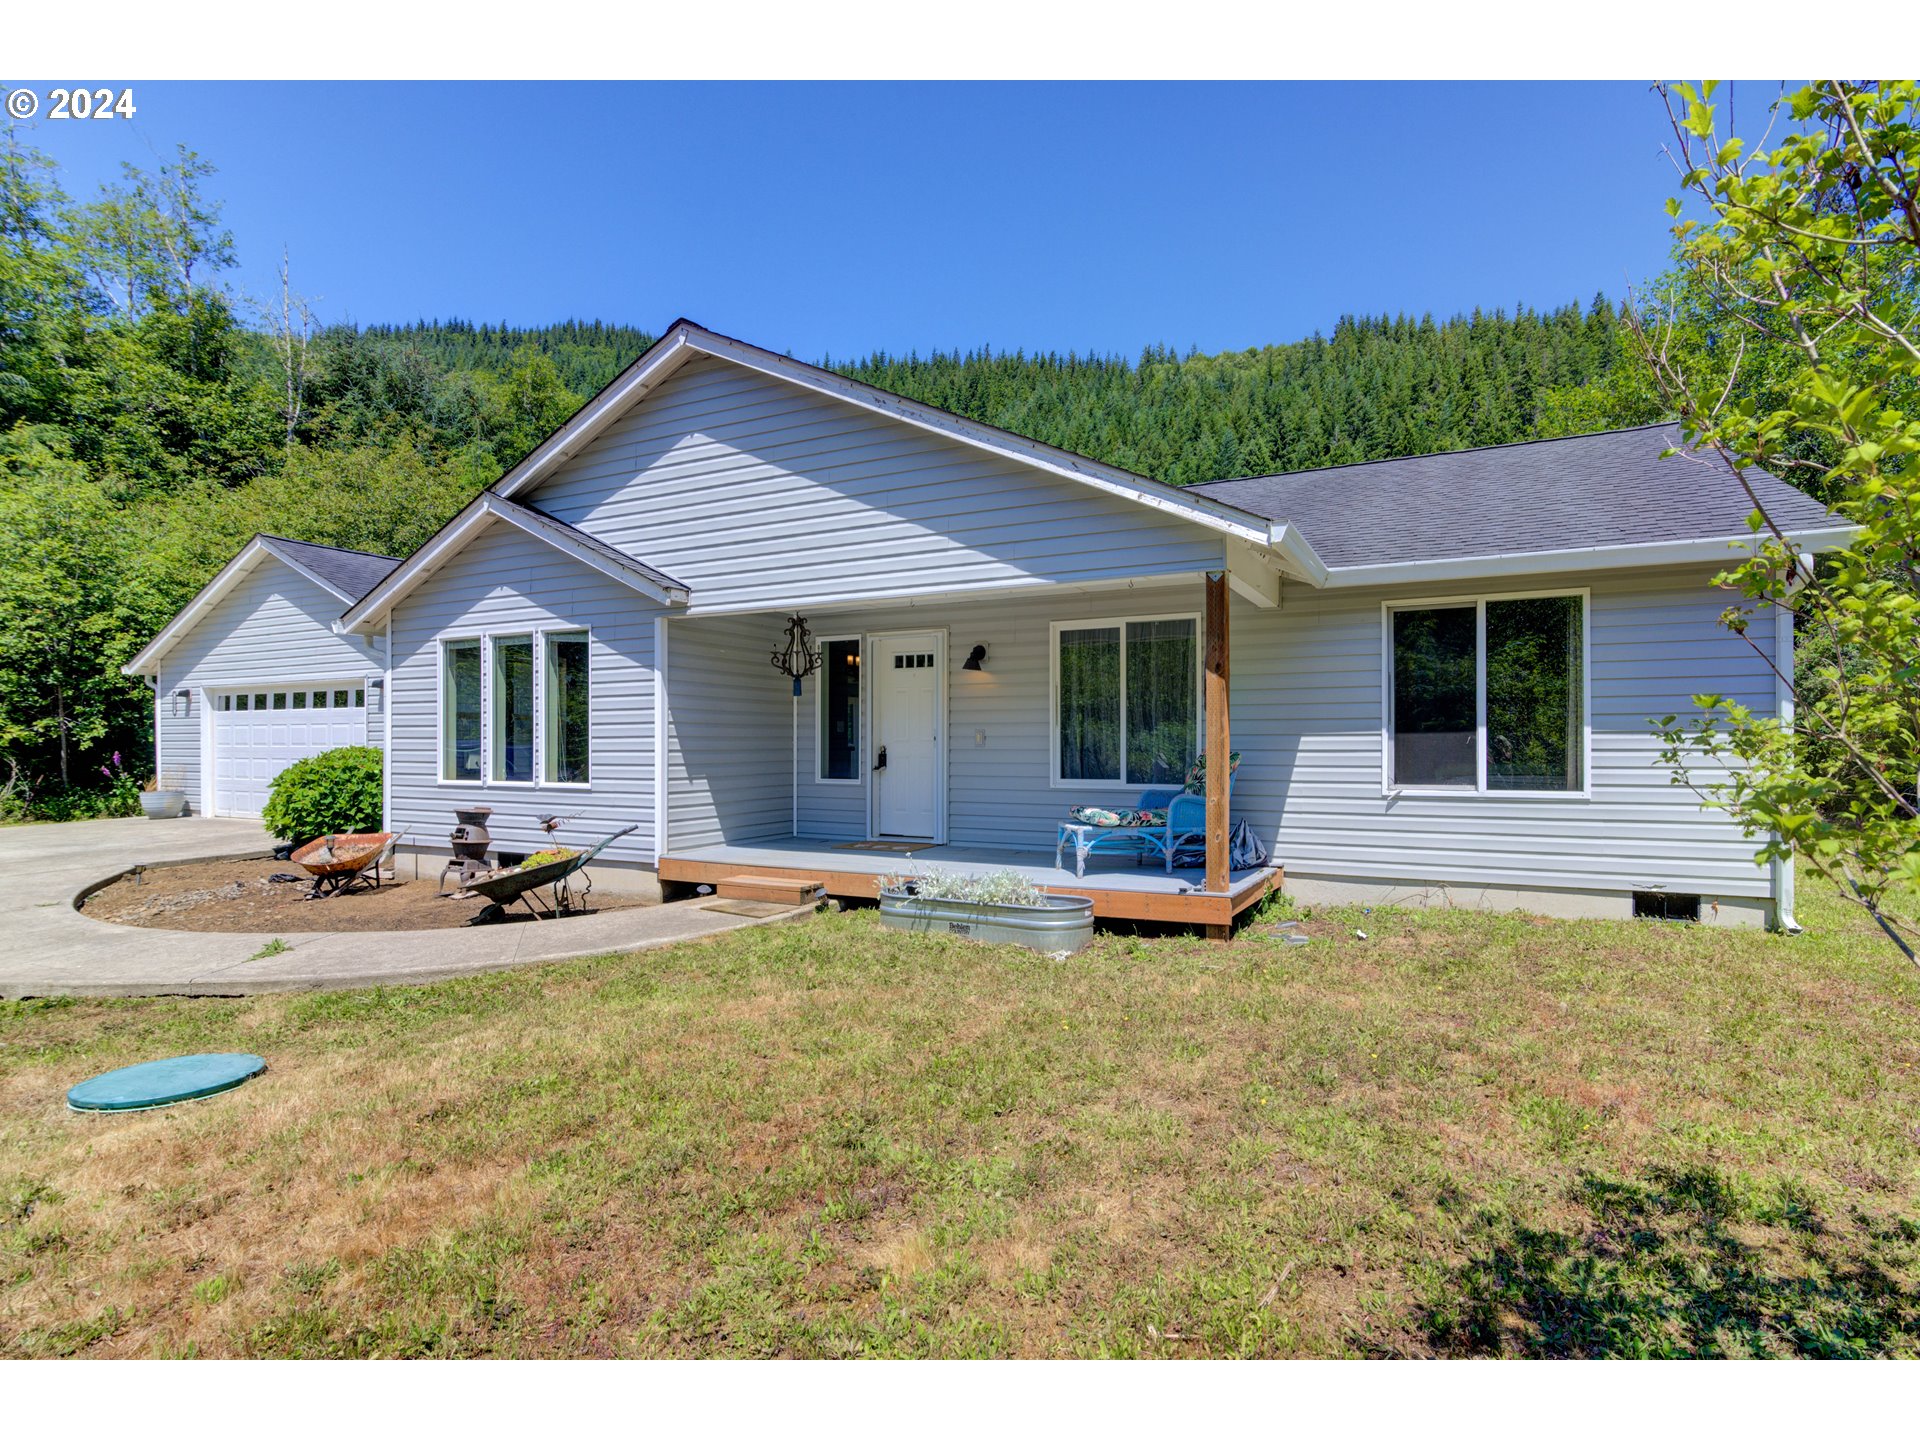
(960, 731)
(1120, 890)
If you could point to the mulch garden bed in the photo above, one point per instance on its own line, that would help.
(241, 897)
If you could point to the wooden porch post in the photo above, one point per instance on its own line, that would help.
(1219, 737)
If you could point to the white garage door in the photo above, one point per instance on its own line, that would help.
(258, 732)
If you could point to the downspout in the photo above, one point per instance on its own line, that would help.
(662, 719)
(386, 733)
(1783, 708)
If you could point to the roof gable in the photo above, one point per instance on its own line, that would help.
(344, 574)
(685, 340)
(486, 509)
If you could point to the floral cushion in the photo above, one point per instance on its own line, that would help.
(1116, 819)
(1197, 776)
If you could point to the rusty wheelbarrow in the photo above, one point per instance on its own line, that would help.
(343, 862)
(504, 887)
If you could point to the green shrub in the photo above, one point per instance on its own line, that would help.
(335, 792)
(22, 799)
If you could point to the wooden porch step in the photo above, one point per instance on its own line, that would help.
(782, 889)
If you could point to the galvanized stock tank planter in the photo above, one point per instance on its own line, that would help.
(1059, 926)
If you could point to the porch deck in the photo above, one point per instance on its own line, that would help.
(1120, 889)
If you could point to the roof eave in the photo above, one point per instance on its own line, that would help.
(655, 364)
(1591, 557)
(1296, 553)
(637, 575)
(147, 660)
(300, 567)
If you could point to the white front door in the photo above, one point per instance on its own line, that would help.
(909, 705)
(258, 732)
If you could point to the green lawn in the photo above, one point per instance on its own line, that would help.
(1463, 1135)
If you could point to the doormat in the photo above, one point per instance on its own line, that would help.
(896, 847)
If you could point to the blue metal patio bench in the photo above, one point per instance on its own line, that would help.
(1186, 821)
(1180, 815)
(1138, 840)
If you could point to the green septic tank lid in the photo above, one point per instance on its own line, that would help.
(164, 1082)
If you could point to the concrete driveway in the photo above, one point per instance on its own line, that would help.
(49, 948)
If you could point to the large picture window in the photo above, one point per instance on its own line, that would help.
(564, 761)
(1127, 701)
(459, 710)
(492, 690)
(513, 709)
(840, 710)
(1488, 695)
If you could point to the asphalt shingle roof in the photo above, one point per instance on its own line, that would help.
(1607, 489)
(354, 571)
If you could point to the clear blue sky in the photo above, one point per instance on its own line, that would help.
(822, 218)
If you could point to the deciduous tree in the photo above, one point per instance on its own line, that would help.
(1810, 244)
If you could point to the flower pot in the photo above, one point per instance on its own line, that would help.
(1061, 926)
(163, 804)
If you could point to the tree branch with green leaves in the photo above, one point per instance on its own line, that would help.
(1811, 246)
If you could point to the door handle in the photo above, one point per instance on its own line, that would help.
(880, 761)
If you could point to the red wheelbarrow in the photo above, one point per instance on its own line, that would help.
(340, 863)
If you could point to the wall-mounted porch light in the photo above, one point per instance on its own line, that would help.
(974, 658)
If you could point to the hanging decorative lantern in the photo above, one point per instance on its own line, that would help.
(800, 658)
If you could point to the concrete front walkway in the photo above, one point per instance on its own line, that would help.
(49, 948)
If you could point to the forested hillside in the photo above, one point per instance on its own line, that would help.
(587, 353)
(1373, 387)
(152, 418)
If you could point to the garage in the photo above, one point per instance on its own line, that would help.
(260, 731)
(250, 676)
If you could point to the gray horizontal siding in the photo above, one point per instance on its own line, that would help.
(754, 491)
(1306, 717)
(275, 625)
(1307, 708)
(998, 733)
(505, 582)
(729, 732)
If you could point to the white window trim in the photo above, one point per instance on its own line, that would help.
(440, 712)
(542, 638)
(486, 638)
(1095, 622)
(487, 726)
(820, 717)
(1477, 602)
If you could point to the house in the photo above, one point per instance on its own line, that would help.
(251, 675)
(1438, 672)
